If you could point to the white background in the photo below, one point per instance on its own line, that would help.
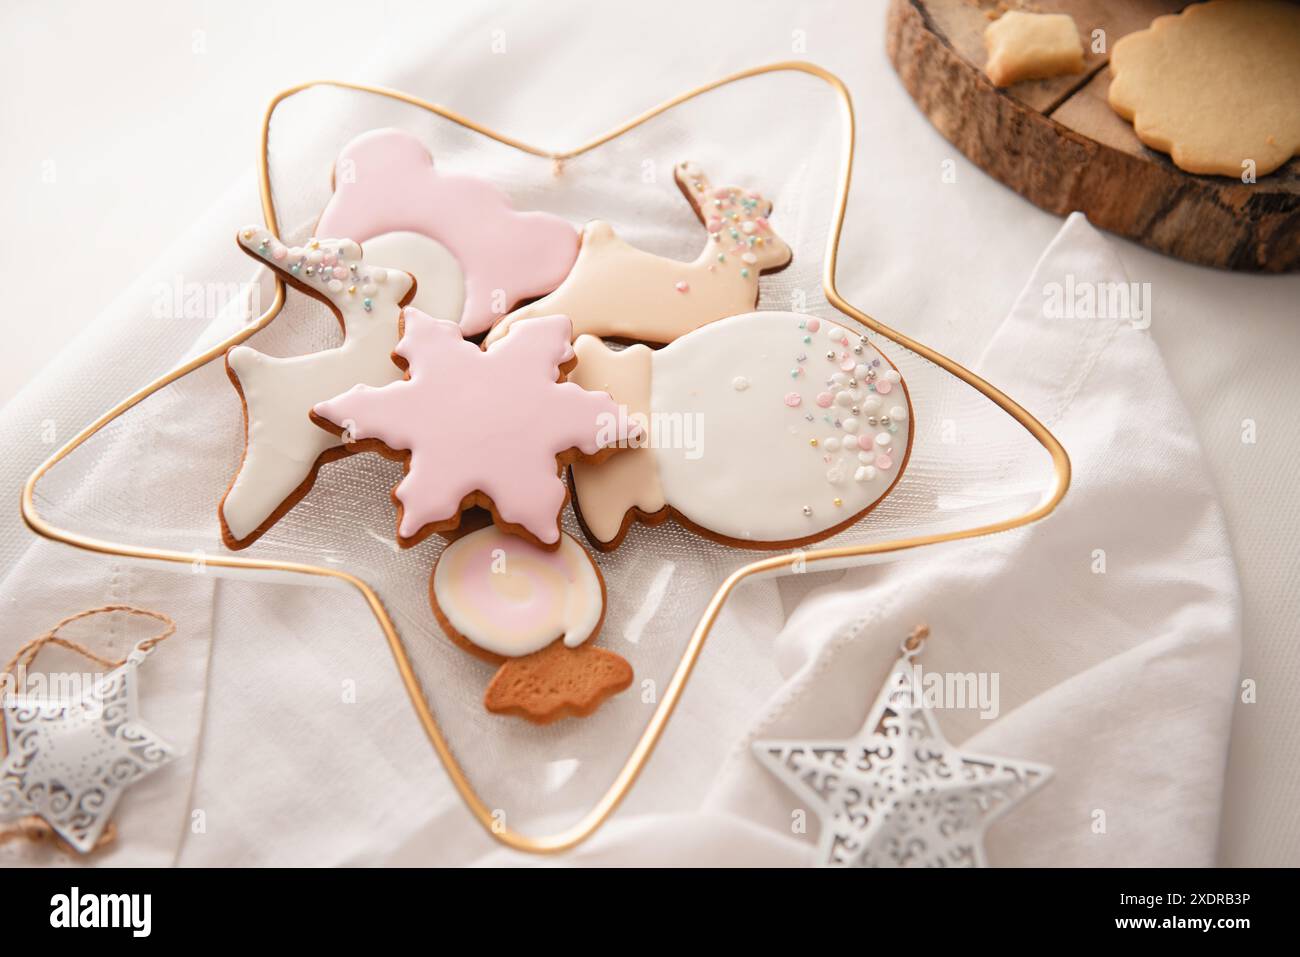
(123, 126)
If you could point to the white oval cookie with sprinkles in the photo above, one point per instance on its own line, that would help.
(764, 430)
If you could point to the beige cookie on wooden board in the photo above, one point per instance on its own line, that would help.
(1032, 46)
(619, 291)
(1217, 86)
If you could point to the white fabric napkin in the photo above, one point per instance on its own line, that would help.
(1122, 680)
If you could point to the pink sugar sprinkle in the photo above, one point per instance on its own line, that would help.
(884, 462)
(847, 363)
(814, 325)
(884, 386)
(792, 399)
(682, 286)
(824, 399)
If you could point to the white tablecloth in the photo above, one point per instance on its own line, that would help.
(944, 262)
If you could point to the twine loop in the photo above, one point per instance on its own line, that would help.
(911, 646)
(26, 655)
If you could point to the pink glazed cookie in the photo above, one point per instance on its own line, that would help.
(389, 196)
(491, 428)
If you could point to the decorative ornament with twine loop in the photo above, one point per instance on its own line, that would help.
(68, 761)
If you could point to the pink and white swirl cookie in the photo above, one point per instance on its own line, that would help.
(533, 611)
(764, 430)
(473, 255)
(618, 291)
(509, 598)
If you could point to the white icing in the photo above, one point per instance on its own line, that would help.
(283, 443)
(512, 598)
(757, 470)
(439, 281)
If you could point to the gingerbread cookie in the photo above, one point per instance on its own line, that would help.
(532, 611)
(766, 430)
(458, 235)
(557, 682)
(618, 291)
(1216, 86)
(282, 448)
(1032, 46)
(489, 428)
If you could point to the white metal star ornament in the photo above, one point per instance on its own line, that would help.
(898, 794)
(70, 759)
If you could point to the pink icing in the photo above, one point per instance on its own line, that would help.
(490, 421)
(386, 182)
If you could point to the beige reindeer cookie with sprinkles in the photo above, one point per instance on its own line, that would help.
(618, 291)
(764, 430)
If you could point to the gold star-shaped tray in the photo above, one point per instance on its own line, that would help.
(143, 481)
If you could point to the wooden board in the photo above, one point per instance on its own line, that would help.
(1059, 144)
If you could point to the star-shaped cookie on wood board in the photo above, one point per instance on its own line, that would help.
(898, 794)
(488, 427)
(70, 759)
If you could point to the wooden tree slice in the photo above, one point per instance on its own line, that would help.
(1059, 144)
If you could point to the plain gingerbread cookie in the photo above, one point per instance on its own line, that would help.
(1214, 86)
(1032, 46)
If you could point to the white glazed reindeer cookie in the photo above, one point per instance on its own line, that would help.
(283, 447)
(618, 291)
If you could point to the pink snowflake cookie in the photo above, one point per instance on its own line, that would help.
(491, 428)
